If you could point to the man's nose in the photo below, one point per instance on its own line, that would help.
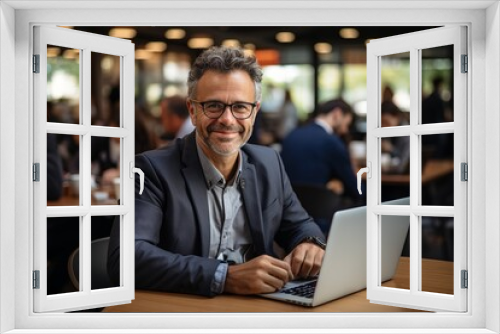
(227, 114)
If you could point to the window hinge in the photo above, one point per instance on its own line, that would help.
(465, 64)
(36, 279)
(36, 63)
(464, 171)
(465, 279)
(36, 172)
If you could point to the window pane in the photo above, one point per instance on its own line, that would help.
(437, 170)
(395, 167)
(105, 156)
(101, 231)
(105, 89)
(395, 85)
(395, 241)
(437, 85)
(63, 170)
(437, 254)
(63, 238)
(63, 85)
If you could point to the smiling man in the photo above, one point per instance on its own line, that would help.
(213, 206)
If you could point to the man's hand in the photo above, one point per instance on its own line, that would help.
(262, 274)
(305, 260)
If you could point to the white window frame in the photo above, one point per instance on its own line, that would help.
(483, 21)
(87, 43)
(414, 43)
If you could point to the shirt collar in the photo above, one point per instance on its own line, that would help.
(212, 175)
(324, 125)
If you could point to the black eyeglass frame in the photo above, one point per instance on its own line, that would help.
(202, 104)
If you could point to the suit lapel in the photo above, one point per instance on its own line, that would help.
(252, 204)
(195, 182)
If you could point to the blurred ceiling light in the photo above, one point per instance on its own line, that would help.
(53, 52)
(249, 52)
(142, 54)
(285, 37)
(249, 46)
(349, 33)
(107, 63)
(323, 48)
(123, 32)
(67, 27)
(200, 42)
(156, 46)
(231, 42)
(71, 54)
(175, 33)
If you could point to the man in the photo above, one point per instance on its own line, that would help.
(175, 117)
(314, 154)
(212, 206)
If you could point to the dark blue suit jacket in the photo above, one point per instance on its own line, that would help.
(172, 227)
(313, 156)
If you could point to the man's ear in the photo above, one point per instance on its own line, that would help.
(192, 111)
(257, 107)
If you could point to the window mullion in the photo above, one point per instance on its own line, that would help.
(415, 97)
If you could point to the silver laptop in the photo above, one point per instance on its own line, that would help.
(343, 270)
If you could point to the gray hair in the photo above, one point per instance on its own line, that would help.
(224, 60)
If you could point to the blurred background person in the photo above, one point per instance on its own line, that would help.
(288, 117)
(175, 119)
(315, 154)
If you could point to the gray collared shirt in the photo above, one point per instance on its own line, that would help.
(230, 237)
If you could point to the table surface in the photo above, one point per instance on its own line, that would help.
(438, 277)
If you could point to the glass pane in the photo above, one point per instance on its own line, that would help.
(437, 170)
(101, 232)
(63, 170)
(105, 157)
(63, 239)
(395, 167)
(105, 89)
(437, 254)
(395, 94)
(63, 85)
(437, 85)
(395, 268)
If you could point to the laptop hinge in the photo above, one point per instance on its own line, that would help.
(36, 279)
(464, 171)
(465, 279)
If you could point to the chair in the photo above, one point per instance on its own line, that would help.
(320, 203)
(99, 271)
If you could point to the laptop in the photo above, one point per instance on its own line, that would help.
(343, 270)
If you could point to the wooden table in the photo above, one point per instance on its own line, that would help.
(439, 276)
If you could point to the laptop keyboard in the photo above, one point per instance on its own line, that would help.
(306, 290)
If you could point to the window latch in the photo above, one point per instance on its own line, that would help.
(141, 175)
(368, 171)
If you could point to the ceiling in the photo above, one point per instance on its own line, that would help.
(263, 37)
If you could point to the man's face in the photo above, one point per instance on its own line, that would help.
(223, 136)
(342, 123)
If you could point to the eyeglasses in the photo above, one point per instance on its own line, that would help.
(215, 109)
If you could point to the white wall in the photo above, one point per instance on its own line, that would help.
(492, 153)
(7, 163)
